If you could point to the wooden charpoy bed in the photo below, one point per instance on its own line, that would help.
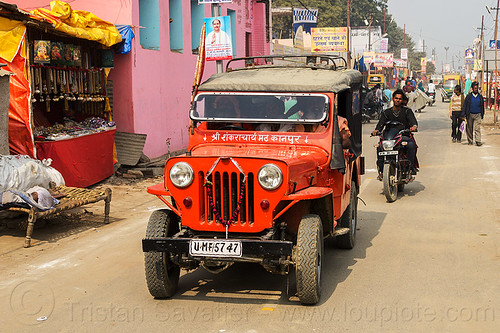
(71, 197)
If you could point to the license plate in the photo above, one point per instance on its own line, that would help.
(390, 152)
(215, 248)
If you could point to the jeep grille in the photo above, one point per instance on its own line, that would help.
(226, 190)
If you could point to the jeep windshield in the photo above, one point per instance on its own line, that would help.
(260, 108)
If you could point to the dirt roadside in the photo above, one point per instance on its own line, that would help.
(129, 200)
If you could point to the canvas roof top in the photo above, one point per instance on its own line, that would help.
(283, 79)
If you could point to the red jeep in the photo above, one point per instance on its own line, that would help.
(267, 176)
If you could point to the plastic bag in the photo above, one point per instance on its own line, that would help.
(462, 127)
(21, 172)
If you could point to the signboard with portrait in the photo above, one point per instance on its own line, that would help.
(423, 64)
(469, 56)
(218, 44)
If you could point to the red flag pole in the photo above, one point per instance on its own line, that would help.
(200, 67)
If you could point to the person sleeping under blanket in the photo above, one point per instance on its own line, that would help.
(36, 196)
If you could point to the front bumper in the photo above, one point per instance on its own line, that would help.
(251, 248)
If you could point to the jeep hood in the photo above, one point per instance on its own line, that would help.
(304, 157)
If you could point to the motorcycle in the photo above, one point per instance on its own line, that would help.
(396, 170)
(433, 96)
(371, 112)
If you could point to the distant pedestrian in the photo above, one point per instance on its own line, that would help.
(473, 111)
(408, 88)
(456, 104)
(420, 86)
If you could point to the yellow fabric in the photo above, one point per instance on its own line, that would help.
(11, 35)
(79, 23)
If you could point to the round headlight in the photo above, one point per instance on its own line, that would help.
(181, 174)
(388, 144)
(270, 177)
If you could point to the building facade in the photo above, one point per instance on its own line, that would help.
(152, 84)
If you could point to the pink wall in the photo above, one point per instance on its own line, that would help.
(152, 89)
(162, 80)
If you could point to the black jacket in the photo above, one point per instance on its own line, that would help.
(406, 117)
(466, 106)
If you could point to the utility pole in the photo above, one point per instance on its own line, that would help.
(481, 55)
(349, 33)
(216, 11)
(446, 48)
(423, 47)
(384, 21)
(370, 32)
(496, 67)
(404, 36)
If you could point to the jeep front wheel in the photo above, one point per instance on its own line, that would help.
(309, 259)
(162, 275)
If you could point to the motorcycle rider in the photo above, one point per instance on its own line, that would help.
(372, 99)
(431, 88)
(406, 117)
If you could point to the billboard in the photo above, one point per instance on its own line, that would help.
(360, 42)
(379, 59)
(306, 18)
(404, 54)
(329, 39)
(384, 45)
(400, 63)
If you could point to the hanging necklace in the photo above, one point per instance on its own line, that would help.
(396, 113)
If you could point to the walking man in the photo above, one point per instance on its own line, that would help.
(473, 111)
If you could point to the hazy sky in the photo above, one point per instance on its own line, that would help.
(444, 23)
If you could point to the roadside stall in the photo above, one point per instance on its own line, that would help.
(59, 106)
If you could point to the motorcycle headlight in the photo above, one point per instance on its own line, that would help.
(388, 144)
(181, 174)
(270, 177)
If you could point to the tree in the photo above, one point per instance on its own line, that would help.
(333, 13)
(431, 69)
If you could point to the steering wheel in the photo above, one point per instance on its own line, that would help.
(232, 127)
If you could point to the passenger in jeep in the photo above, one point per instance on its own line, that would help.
(225, 107)
(273, 108)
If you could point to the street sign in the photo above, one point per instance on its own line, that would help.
(214, 1)
(404, 54)
(329, 39)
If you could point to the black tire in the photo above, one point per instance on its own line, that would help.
(349, 220)
(390, 185)
(442, 99)
(401, 187)
(309, 259)
(162, 275)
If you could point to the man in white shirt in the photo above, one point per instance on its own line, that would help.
(217, 36)
(431, 87)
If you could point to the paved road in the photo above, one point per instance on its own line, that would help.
(429, 261)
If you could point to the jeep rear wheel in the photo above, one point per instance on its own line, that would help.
(349, 220)
(309, 259)
(162, 275)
